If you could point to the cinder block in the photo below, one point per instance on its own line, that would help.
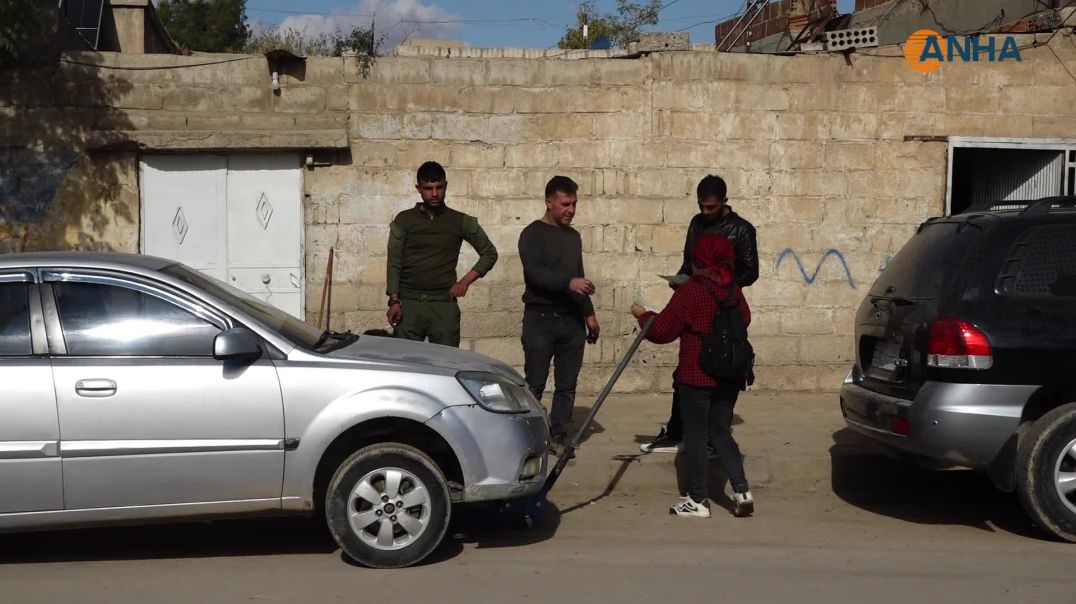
(657, 41)
(814, 125)
(390, 70)
(583, 155)
(459, 72)
(531, 155)
(775, 350)
(794, 155)
(498, 183)
(638, 153)
(761, 97)
(477, 155)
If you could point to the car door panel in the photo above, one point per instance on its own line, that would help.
(142, 427)
(31, 478)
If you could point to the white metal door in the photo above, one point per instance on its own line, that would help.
(182, 200)
(237, 218)
(265, 229)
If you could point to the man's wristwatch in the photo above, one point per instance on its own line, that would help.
(393, 301)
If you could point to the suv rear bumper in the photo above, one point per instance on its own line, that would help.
(951, 425)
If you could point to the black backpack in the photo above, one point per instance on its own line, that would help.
(726, 353)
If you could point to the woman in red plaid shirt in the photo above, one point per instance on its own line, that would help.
(705, 405)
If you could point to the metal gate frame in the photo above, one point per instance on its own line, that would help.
(1065, 145)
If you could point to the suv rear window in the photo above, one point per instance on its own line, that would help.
(929, 260)
(1041, 263)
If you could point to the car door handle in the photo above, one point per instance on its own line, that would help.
(95, 388)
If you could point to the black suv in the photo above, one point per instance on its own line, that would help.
(966, 352)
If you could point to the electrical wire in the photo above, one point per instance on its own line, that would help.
(721, 19)
(470, 21)
(158, 67)
(307, 12)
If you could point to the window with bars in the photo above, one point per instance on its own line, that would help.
(85, 16)
(988, 172)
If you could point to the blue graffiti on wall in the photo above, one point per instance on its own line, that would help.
(29, 179)
(810, 278)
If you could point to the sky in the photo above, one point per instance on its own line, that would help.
(481, 23)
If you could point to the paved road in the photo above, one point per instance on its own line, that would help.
(894, 535)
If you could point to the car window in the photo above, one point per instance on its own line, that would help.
(928, 262)
(297, 332)
(106, 320)
(15, 320)
(1041, 263)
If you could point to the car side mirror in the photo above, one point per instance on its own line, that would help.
(236, 344)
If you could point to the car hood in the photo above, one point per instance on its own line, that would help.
(424, 355)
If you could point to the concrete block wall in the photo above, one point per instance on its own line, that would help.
(814, 151)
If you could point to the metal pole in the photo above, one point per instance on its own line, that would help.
(554, 474)
(758, 6)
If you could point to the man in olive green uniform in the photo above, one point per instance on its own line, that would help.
(423, 251)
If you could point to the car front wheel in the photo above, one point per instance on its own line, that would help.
(1046, 472)
(388, 506)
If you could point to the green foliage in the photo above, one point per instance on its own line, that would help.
(621, 28)
(359, 42)
(206, 25)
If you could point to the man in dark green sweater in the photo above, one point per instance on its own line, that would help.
(558, 316)
(423, 251)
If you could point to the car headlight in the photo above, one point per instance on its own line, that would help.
(496, 394)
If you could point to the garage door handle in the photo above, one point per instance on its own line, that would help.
(95, 388)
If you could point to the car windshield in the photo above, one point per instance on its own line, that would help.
(298, 332)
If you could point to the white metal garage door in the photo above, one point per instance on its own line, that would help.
(237, 218)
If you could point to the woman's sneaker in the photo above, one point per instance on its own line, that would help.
(689, 508)
(662, 444)
(743, 504)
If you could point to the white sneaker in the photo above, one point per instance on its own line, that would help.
(687, 507)
(744, 504)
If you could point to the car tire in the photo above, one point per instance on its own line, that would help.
(363, 511)
(1043, 455)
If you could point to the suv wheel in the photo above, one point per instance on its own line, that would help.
(1046, 472)
(388, 506)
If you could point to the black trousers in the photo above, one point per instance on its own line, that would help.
(674, 428)
(559, 338)
(707, 417)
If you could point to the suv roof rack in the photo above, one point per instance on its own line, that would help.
(1028, 207)
(1044, 205)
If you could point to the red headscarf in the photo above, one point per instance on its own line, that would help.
(714, 258)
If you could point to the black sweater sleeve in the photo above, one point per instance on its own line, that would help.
(535, 274)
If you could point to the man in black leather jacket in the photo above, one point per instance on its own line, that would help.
(715, 217)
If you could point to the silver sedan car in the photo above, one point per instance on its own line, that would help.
(138, 389)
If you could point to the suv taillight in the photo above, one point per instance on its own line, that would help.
(957, 344)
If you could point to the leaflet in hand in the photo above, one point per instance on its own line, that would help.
(639, 300)
(675, 279)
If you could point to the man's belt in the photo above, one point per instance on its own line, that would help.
(426, 296)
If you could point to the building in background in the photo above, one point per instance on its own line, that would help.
(785, 25)
(212, 161)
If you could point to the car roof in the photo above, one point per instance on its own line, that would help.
(74, 259)
(1034, 207)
